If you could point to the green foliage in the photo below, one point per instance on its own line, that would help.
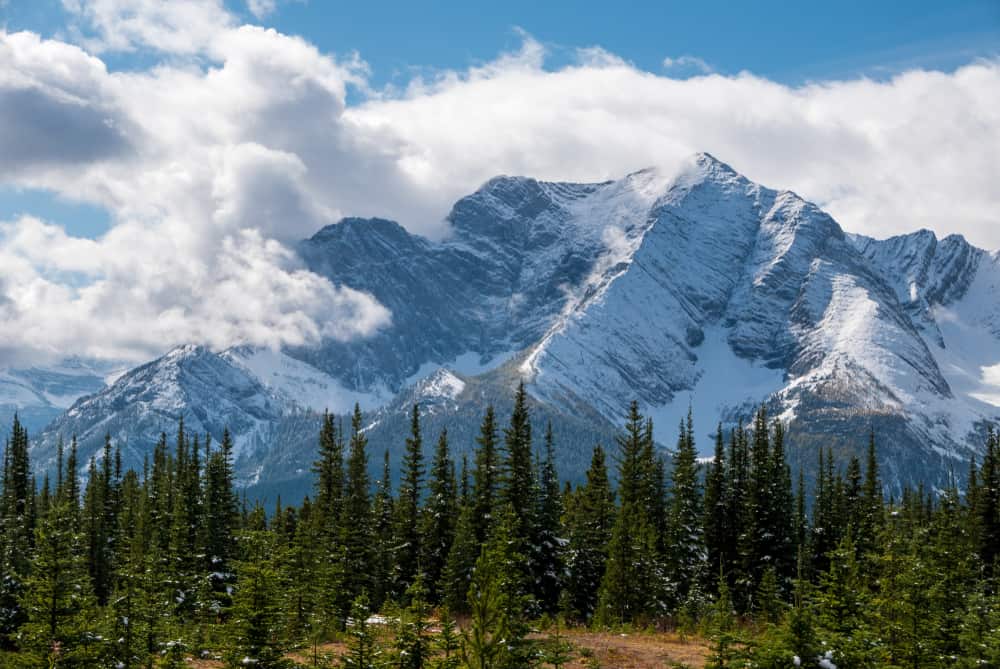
(255, 622)
(148, 569)
(364, 650)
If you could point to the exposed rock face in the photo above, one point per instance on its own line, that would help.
(701, 288)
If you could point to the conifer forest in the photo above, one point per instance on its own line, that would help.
(492, 561)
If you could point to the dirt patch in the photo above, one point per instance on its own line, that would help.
(606, 650)
(635, 651)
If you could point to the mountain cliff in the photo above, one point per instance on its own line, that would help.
(698, 289)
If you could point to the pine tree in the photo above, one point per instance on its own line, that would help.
(383, 529)
(364, 651)
(519, 489)
(255, 622)
(687, 540)
(462, 556)
(439, 519)
(716, 521)
(413, 639)
(329, 486)
(548, 542)
(497, 601)
(486, 476)
(591, 518)
(16, 532)
(60, 606)
(407, 558)
(356, 534)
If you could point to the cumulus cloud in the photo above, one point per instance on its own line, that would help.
(177, 27)
(687, 63)
(262, 8)
(884, 157)
(213, 162)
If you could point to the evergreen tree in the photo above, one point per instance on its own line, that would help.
(408, 552)
(716, 521)
(383, 521)
(255, 621)
(413, 639)
(519, 489)
(497, 601)
(364, 651)
(633, 583)
(16, 532)
(687, 540)
(591, 518)
(486, 476)
(871, 518)
(329, 486)
(356, 533)
(61, 627)
(462, 556)
(439, 519)
(548, 542)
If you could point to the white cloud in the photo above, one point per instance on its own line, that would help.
(177, 26)
(884, 157)
(211, 166)
(687, 63)
(262, 8)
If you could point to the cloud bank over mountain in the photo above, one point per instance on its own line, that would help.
(238, 140)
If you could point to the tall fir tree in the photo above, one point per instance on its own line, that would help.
(687, 539)
(548, 541)
(590, 519)
(356, 532)
(407, 558)
(439, 518)
(486, 475)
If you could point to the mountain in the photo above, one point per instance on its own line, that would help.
(41, 393)
(699, 289)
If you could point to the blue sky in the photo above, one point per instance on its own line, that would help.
(790, 42)
(187, 132)
(786, 42)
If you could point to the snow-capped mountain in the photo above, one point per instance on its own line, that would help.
(698, 289)
(40, 393)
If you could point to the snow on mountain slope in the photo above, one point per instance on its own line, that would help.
(41, 393)
(209, 392)
(299, 384)
(698, 289)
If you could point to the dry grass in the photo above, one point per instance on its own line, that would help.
(654, 650)
(608, 650)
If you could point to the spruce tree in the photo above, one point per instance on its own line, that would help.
(384, 536)
(462, 556)
(687, 539)
(356, 532)
(363, 649)
(329, 472)
(548, 541)
(255, 623)
(591, 517)
(486, 476)
(519, 488)
(439, 519)
(413, 639)
(716, 512)
(407, 558)
(61, 627)
(16, 532)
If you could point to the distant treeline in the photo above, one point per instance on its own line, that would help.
(144, 569)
